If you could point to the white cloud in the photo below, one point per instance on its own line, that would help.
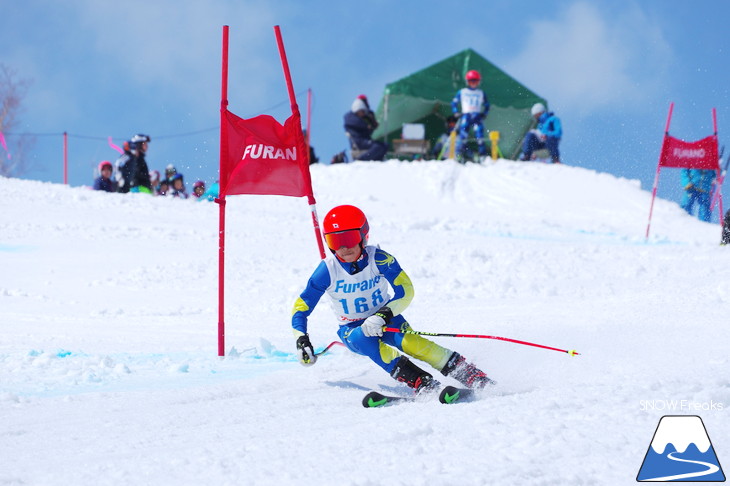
(587, 59)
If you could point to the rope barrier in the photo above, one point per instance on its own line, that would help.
(158, 137)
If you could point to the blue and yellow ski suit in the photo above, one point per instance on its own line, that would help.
(358, 290)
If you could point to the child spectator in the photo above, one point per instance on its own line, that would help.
(170, 172)
(163, 188)
(154, 180)
(178, 187)
(211, 193)
(198, 189)
(104, 182)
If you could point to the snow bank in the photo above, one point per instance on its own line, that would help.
(108, 367)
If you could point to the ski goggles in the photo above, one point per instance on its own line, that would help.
(347, 238)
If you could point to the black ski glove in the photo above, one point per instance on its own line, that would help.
(305, 351)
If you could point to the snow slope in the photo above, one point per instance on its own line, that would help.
(108, 316)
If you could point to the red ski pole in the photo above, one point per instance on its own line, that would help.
(571, 352)
(333, 343)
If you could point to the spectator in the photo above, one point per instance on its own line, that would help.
(154, 180)
(442, 143)
(141, 173)
(170, 172)
(312, 157)
(358, 279)
(546, 134)
(163, 188)
(471, 106)
(359, 124)
(211, 193)
(339, 158)
(198, 189)
(124, 168)
(104, 182)
(178, 187)
(697, 185)
(370, 114)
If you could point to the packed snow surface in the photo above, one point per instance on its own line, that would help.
(108, 332)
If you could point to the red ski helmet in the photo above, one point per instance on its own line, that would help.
(105, 164)
(345, 226)
(473, 76)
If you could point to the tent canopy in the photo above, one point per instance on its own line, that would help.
(425, 97)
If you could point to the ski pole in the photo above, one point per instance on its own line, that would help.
(451, 142)
(330, 345)
(571, 352)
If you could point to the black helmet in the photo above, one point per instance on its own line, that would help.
(139, 138)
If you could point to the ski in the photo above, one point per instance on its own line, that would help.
(452, 394)
(374, 399)
(448, 395)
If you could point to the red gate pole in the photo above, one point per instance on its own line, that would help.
(658, 168)
(221, 200)
(309, 119)
(295, 110)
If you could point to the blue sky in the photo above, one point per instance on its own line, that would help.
(608, 69)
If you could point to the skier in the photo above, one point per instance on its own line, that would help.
(357, 279)
(546, 134)
(470, 105)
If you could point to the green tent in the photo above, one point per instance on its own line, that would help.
(425, 97)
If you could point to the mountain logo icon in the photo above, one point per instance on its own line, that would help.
(680, 451)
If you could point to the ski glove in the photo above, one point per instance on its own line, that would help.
(373, 325)
(305, 351)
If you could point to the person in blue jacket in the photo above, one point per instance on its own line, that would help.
(212, 193)
(357, 278)
(105, 182)
(697, 184)
(546, 134)
(360, 124)
(470, 106)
